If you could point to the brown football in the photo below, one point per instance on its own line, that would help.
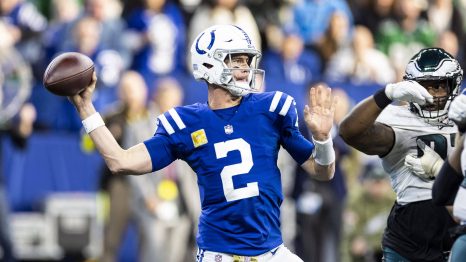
(68, 74)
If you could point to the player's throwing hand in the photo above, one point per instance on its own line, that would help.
(84, 99)
(319, 115)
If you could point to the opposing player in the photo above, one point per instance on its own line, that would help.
(231, 142)
(412, 140)
(450, 185)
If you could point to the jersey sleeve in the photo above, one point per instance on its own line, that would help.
(290, 138)
(164, 147)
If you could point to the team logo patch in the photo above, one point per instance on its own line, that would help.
(228, 129)
(199, 138)
(218, 258)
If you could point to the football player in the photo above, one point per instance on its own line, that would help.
(231, 142)
(450, 184)
(412, 139)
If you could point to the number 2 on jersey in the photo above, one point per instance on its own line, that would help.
(228, 172)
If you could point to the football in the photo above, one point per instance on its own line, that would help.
(68, 74)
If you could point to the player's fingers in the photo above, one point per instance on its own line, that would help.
(328, 98)
(312, 97)
(334, 104)
(417, 98)
(410, 160)
(423, 93)
(321, 95)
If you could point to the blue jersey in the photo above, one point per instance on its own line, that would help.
(236, 165)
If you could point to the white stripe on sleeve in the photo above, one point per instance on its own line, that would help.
(177, 118)
(275, 100)
(286, 106)
(166, 125)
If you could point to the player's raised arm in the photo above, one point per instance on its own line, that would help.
(359, 128)
(319, 120)
(133, 161)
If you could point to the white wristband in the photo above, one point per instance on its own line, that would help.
(92, 122)
(323, 153)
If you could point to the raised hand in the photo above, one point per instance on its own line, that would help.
(408, 91)
(319, 115)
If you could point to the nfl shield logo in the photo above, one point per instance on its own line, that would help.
(228, 129)
(218, 258)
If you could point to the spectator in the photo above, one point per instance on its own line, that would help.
(448, 41)
(361, 62)
(18, 131)
(108, 65)
(29, 24)
(232, 12)
(442, 16)
(129, 121)
(291, 68)
(445, 18)
(336, 37)
(372, 14)
(368, 211)
(158, 40)
(312, 18)
(405, 35)
(61, 24)
(16, 120)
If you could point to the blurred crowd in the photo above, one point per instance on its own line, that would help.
(141, 50)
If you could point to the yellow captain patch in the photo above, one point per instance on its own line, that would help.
(199, 138)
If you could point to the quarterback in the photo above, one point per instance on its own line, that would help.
(231, 142)
(412, 138)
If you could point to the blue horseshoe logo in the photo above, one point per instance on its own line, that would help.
(212, 40)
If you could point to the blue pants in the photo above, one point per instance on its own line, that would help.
(458, 251)
(390, 255)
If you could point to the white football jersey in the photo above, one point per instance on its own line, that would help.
(408, 128)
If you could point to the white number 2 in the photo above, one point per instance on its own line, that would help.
(221, 150)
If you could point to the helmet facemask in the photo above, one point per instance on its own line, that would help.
(436, 113)
(439, 72)
(238, 78)
(218, 45)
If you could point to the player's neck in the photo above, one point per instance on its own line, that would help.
(220, 98)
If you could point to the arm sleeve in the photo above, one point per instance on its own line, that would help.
(446, 185)
(291, 139)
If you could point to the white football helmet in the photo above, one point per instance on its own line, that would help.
(213, 47)
(435, 65)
